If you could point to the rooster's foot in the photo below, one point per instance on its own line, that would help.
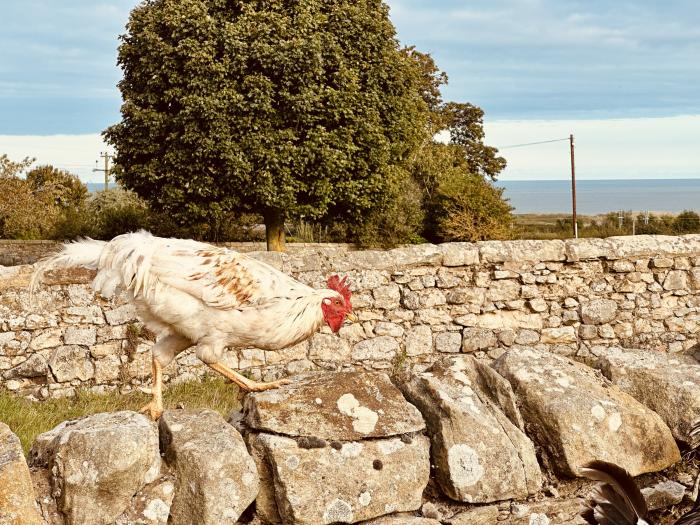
(153, 410)
(252, 386)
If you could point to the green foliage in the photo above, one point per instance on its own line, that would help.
(290, 110)
(465, 123)
(11, 169)
(687, 222)
(26, 211)
(117, 211)
(398, 223)
(67, 189)
(606, 225)
(473, 209)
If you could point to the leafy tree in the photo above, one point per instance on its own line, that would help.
(287, 109)
(474, 210)
(465, 123)
(10, 169)
(25, 212)
(68, 190)
(117, 211)
(687, 222)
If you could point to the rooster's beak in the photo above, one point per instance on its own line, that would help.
(352, 317)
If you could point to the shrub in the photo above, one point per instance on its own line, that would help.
(117, 211)
(473, 209)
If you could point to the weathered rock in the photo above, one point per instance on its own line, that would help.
(503, 320)
(340, 406)
(34, 366)
(663, 494)
(151, 505)
(327, 347)
(17, 505)
(387, 297)
(71, 362)
(586, 249)
(41, 480)
(75, 335)
(518, 251)
(448, 342)
(419, 340)
(552, 512)
(598, 311)
(559, 335)
(487, 515)
(215, 477)
(503, 290)
(99, 462)
(676, 280)
(479, 455)
(577, 418)
(401, 519)
(459, 254)
(478, 339)
(669, 385)
(121, 315)
(344, 482)
(377, 348)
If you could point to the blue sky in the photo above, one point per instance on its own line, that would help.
(622, 76)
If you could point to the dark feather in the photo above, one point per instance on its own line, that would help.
(617, 500)
(694, 435)
(693, 516)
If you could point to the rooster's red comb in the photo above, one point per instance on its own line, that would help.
(342, 286)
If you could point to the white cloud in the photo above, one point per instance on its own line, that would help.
(75, 153)
(605, 149)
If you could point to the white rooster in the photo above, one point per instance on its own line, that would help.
(192, 293)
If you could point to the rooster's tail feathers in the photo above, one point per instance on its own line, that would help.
(83, 252)
(617, 499)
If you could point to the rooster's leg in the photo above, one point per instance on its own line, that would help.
(243, 382)
(154, 409)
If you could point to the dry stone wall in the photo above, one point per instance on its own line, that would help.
(573, 298)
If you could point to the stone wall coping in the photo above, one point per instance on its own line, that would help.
(341, 258)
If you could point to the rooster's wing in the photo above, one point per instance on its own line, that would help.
(220, 278)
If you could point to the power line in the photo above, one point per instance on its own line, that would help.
(533, 143)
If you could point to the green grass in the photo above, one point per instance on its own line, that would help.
(28, 419)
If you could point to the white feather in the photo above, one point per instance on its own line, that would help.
(208, 294)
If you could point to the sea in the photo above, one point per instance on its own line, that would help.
(601, 196)
(592, 196)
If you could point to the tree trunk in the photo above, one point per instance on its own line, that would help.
(274, 230)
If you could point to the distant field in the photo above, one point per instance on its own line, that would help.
(559, 225)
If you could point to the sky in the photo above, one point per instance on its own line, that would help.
(621, 76)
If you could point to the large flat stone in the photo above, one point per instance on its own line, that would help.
(479, 455)
(17, 505)
(98, 463)
(521, 250)
(215, 477)
(576, 417)
(338, 406)
(668, 384)
(341, 482)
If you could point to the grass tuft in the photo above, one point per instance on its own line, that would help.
(28, 419)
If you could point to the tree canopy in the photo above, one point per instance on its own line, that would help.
(287, 109)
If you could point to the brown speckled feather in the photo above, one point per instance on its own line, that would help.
(219, 277)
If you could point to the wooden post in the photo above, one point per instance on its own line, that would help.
(106, 156)
(573, 187)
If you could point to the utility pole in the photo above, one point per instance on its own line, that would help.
(107, 157)
(573, 187)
